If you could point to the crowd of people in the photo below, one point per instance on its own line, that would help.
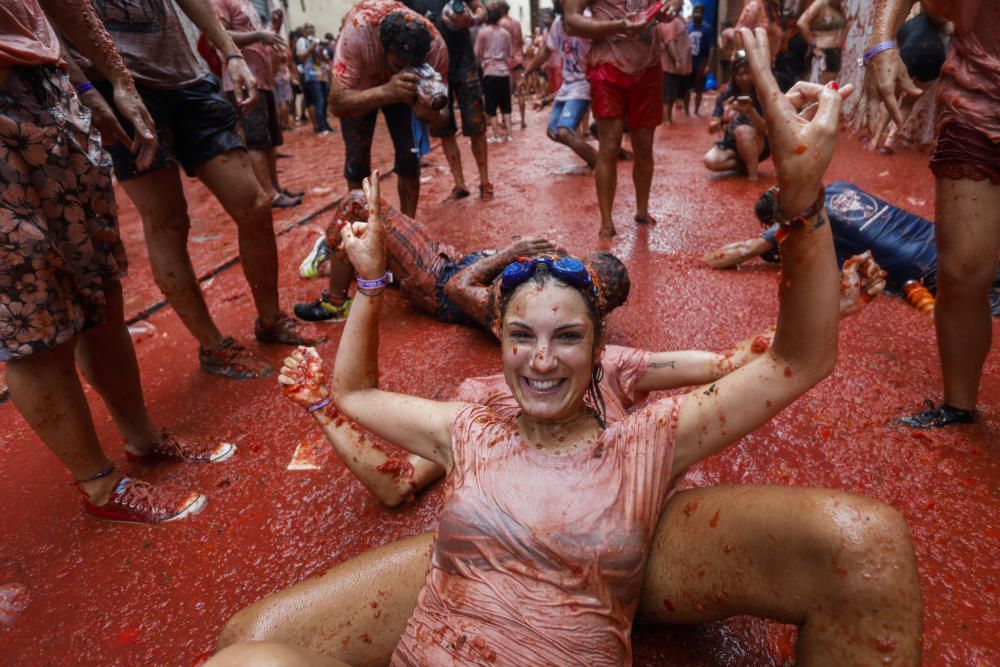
(562, 517)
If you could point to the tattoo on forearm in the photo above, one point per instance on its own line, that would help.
(663, 364)
(820, 221)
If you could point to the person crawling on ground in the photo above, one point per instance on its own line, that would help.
(444, 282)
(900, 242)
(558, 525)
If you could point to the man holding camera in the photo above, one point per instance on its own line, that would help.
(453, 19)
(389, 58)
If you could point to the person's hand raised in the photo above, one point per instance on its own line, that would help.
(532, 246)
(802, 143)
(364, 242)
(303, 378)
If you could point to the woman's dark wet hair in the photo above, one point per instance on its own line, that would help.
(405, 35)
(766, 208)
(595, 311)
(613, 283)
(493, 14)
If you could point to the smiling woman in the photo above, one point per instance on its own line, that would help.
(551, 516)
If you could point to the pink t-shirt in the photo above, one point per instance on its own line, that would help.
(359, 61)
(240, 16)
(969, 89)
(675, 32)
(493, 50)
(631, 55)
(513, 28)
(26, 36)
(538, 559)
(623, 368)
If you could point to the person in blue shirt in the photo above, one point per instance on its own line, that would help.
(702, 42)
(902, 243)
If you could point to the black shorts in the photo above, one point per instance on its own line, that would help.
(464, 87)
(193, 125)
(358, 133)
(831, 60)
(496, 90)
(675, 86)
(260, 126)
(729, 137)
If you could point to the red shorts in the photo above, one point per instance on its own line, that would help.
(636, 98)
(962, 152)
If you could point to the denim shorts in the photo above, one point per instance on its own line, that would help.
(568, 114)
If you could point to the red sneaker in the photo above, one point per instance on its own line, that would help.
(169, 450)
(133, 501)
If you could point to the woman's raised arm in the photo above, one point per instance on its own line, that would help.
(419, 425)
(805, 341)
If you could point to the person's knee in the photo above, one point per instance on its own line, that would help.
(965, 275)
(745, 134)
(256, 654)
(863, 551)
(243, 626)
(562, 135)
(711, 160)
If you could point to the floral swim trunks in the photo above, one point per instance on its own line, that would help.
(59, 236)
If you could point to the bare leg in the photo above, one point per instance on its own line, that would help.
(507, 126)
(107, 359)
(270, 654)
(668, 113)
(229, 178)
(481, 154)
(720, 159)
(642, 168)
(408, 189)
(840, 566)
(609, 139)
(356, 611)
(454, 156)
(47, 392)
(968, 241)
(262, 170)
(749, 146)
(579, 146)
(495, 124)
(520, 103)
(159, 196)
(341, 275)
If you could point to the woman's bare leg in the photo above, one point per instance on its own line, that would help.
(749, 145)
(355, 612)
(721, 159)
(839, 566)
(270, 654)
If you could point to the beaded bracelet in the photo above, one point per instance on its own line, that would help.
(800, 219)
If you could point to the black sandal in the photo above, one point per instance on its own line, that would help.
(938, 417)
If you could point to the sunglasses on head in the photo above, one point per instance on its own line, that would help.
(568, 269)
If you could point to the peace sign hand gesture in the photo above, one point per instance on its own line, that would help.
(364, 242)
(802, 124)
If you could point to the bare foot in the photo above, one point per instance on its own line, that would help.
(606, 232)
(645, 219)
(303, 377)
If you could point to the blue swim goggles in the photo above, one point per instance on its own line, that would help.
(568, 269)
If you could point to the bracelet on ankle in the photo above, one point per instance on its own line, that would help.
(104, 473)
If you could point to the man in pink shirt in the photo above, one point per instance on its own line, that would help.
(626, 85)
(513, 28)
(261, 125)
(675, 60)
(380, 43)
(494, 52)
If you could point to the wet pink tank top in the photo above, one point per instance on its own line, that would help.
(538, 559)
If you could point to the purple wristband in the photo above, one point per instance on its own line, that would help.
(378, 283)
(319, 405)
(875, 50)
(84, 87)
